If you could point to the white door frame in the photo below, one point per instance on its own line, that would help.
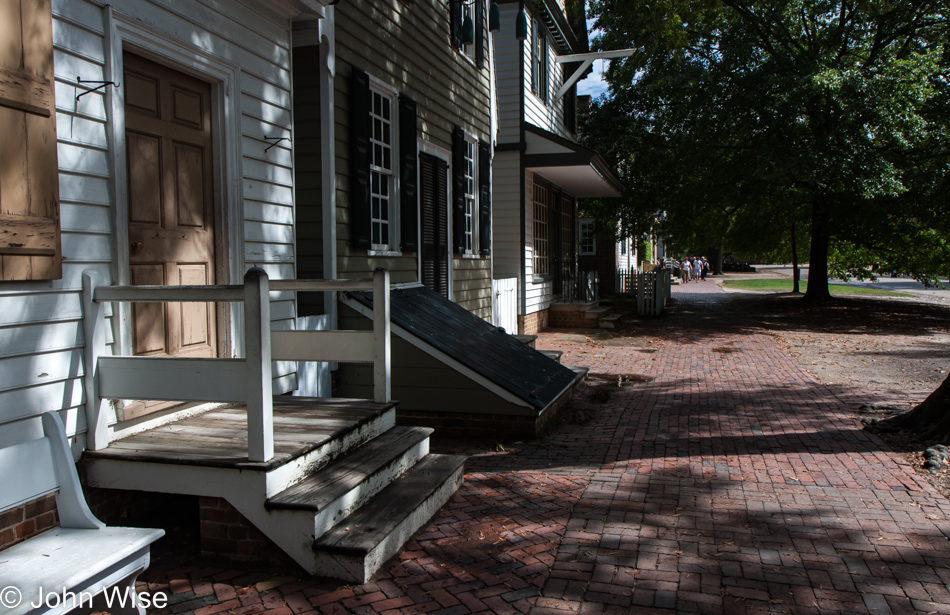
(126, 33)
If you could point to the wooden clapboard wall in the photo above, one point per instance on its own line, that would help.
(407, 45)
(40, 324)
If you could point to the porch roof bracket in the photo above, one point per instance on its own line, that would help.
(586, 59)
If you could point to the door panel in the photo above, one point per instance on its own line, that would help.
(171, 208)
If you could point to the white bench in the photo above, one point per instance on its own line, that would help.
(82, 556)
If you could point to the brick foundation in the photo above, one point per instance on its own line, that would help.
(227, 535)
(571, 319)
(28, 520)
(531, 324)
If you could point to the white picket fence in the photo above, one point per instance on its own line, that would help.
(242, 380)
(652, 289)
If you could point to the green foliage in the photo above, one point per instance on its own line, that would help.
(738, 119)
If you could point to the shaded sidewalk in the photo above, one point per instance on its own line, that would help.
(728, 480)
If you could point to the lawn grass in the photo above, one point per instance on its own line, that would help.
(785, 286)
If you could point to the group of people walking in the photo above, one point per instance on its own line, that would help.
(693, 268)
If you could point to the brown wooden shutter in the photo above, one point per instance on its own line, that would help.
(29, 175)
(484, 198)
(408, 191)
(458, 189)
(434, 193)
(360, 126)
(479, 32)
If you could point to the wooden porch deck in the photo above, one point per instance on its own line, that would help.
(218, 438)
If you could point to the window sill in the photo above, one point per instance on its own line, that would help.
(473, 257)
(383, 253)
(540, 279)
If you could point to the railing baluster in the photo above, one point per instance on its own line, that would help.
(260, 398)
(381, 328)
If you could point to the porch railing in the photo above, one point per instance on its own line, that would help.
(578, 287)
(242, 380)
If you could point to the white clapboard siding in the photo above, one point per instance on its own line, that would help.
(40, 327)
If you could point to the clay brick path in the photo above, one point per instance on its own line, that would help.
(730, 482)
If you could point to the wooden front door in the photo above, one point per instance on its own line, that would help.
(171, 205)
(434, 204)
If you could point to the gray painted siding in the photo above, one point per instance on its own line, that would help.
(40, 326)
(506, 216)
(508, 79)
(407, 47)
(470, 278)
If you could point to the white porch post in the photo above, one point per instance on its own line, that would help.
(260, 399)
(94, 331)
(381, 356)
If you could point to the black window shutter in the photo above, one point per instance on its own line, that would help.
(479, 43)
(360, 159)
(458, 189)
(455, 22)
(484, 198)
(408, 189)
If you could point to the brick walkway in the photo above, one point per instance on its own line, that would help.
(729, 481)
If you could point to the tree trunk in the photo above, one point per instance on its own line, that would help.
(796, 274)
(817, 289)
(930, 420)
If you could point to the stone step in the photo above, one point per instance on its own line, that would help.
(553, 354)
(527, 339)
(347, 483)
(597, 312)
(362, 542)
(609, 321)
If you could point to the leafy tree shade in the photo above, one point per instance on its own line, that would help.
(740, 119)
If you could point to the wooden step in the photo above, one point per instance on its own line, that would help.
(553, 354)
(350, 481)
(362, 542)
(609, 321)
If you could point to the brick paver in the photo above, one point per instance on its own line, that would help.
(726, 481)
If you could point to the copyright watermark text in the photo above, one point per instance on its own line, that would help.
(121, 597)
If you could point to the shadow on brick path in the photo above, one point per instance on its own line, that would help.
(726, 481)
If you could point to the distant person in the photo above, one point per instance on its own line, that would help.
(705, 266)
(698, 268)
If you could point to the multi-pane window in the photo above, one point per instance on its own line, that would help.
(586, 229)
(541, 255)
(471, 210)
(382, 170)
(539, 61)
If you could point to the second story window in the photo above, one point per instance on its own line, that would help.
(467, 28)
(382, 169)
(539, 61)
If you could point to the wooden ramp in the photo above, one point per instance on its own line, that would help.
(336, 463)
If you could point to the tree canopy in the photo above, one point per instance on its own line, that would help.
(738, 119)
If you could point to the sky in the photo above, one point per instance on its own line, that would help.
(594, 83)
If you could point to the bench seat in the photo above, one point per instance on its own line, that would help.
(77, 560)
